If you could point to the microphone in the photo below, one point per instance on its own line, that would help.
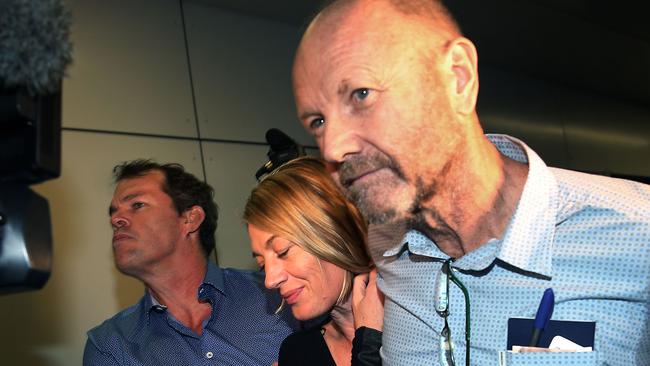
(34, 45)
(282, 149)
(34, 53)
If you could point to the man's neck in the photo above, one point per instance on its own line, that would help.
(477, 201)
(177, 288)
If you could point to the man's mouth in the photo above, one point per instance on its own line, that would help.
(361, 167)
(347, 182)
(119, 237)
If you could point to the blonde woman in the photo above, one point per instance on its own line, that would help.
(310, 242)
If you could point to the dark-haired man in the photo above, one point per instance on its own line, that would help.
(388, 88)
(193, 312)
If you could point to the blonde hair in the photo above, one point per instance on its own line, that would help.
(301, 203)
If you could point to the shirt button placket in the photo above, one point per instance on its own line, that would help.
(209, 355)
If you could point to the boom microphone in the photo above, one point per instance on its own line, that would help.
(34, 52)
(34, 45)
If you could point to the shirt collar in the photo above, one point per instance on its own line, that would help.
(151, 304)
(213, 280)
(419, 244)
(527, 241)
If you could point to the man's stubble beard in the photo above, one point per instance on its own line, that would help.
(421, 214)
(375, 205)
(370, 209)
(362, 194)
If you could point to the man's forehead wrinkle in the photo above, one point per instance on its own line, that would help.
(362, 30)
(131, 196)
(125, 195)
(338, 52)
(343, 87)
(309, 91)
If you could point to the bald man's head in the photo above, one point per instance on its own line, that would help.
(371, 78)
(432, 12)
(426, 24)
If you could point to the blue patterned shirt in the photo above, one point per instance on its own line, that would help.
(242, 329)
(585, 236)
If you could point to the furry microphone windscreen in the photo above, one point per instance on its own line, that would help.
(34, 45)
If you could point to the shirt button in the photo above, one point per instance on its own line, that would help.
(159, 308)
(209, 355)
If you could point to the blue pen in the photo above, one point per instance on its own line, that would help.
(544, 313)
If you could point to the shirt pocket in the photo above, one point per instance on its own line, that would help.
(507, 358)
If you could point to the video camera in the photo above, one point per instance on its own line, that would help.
(34, 51)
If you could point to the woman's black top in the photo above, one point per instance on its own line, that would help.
(308, 347)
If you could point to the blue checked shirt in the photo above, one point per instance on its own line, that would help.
(242, 330)
(585, 236)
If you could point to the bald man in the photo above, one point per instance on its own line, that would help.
(388, 89)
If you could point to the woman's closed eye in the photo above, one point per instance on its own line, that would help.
(283, 252)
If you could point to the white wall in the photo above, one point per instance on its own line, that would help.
(129, 95)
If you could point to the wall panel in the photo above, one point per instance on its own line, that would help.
(130, 68)
(241, 67)
(524, 108)
(230, 169)
(605, 135)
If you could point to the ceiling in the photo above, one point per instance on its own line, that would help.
(587, 44)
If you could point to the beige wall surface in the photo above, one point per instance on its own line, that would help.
(128, 95)
(130, 69)
(241, 68)
(230, 169)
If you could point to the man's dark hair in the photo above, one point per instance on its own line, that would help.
(183, 188)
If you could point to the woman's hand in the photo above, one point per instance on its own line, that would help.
(367, 302)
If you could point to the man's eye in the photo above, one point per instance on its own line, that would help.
(360, 94)
(137, 205)
(316, 123)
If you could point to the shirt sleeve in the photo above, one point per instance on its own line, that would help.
(94, 357)
(365, 347)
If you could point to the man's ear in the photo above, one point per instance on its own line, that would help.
(462, 60)
(193, 216)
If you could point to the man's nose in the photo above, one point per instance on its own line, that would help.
(118, 221)
(337, 141)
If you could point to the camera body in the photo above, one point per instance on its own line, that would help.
(25, 239)
(30, 152)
